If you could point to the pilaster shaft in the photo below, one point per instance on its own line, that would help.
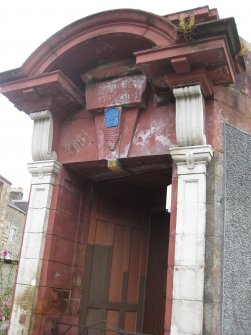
(189, 263)
(43, 178)
(192, 156)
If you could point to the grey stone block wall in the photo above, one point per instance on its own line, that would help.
(8, 273)
(15, 219)
(236, 310)
(214, 246)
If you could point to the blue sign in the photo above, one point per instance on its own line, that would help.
(112, 117)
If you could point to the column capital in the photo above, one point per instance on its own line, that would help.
(44, 172)
(192, 159)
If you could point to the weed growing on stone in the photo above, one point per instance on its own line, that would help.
(186, 26)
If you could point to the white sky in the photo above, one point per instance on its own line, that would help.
(25, 24)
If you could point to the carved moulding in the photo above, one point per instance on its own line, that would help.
(192, 159)
(44, 170)
(42, 136)
(189, 116)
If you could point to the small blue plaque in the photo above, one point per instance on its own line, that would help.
(112, 117)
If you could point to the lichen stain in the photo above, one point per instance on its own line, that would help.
(22, 306)
(24, 298)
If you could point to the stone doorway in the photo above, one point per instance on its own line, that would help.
(126, 260)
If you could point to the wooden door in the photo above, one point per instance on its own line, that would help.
(116, 261)
(156, 274)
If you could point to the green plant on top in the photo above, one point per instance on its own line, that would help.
(243, 51)
(186, 26)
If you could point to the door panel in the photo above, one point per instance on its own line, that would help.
(135, 252)
(101, 263)
(116, 261)
(120, 261)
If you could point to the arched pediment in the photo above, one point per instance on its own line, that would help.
(126, 30)
(120, 43)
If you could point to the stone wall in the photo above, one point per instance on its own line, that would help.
(8, 271)
(237, 226)
(213, 250)
(14, 220)
(4, 199)
(225, 305)
(227, 253)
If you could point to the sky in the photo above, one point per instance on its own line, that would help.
(25, 24)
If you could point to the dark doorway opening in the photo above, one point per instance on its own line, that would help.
(126, 260)
(156, 274)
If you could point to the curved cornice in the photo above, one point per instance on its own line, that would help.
(160, 31)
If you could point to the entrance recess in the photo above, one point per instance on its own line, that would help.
(126, 261)
(156, 274)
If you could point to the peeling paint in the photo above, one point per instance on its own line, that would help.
(143, 135)
(153, 136)
(119, 91)
(163, 140)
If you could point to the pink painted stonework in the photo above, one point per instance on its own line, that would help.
(98, 235)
